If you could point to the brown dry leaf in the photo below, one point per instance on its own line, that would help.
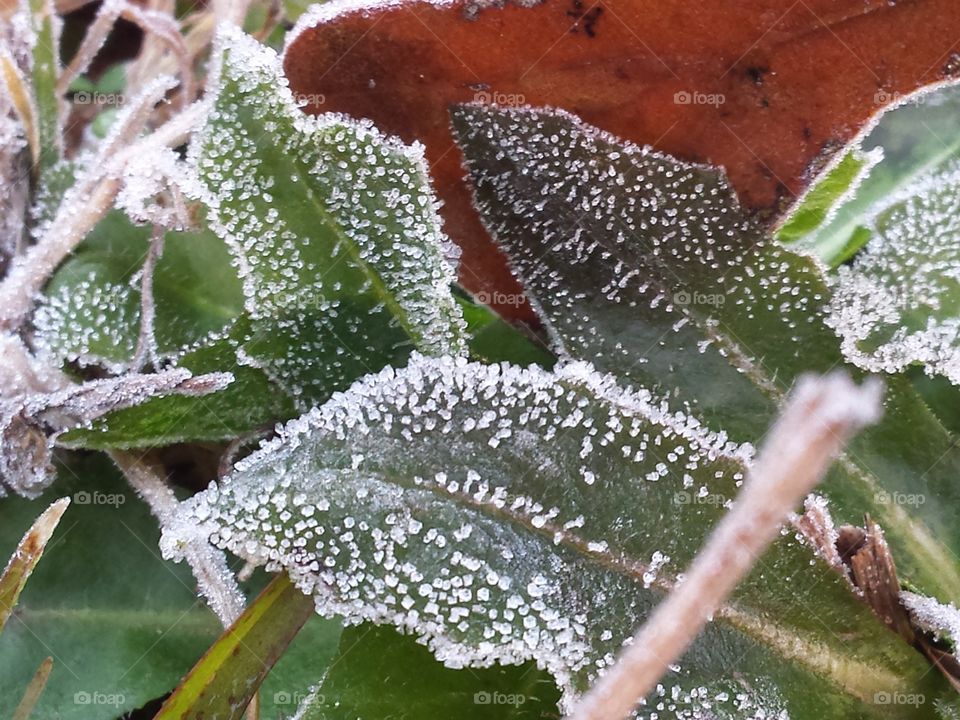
(767, 89)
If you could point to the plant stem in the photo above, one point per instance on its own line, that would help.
(214, 578)
(822, 414)
(146, 351)
(34, 689)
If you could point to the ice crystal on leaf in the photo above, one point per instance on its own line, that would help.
(155, 173)
(503, 514)
(931, 615)
(332, 225)
(895, 306)
(641, 263)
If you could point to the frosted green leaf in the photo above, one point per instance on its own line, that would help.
(332, 225)
(898, 303)
(915, 137)
(90, 312)
(503, 514)
(31, 423)
(251, 403)
(647, 267)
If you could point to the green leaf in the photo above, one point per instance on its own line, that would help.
(250, 403)
(337, 283)
(379, 673)
(121, 624)
(492, 339)
(942, 396)
(26, 556)
(647, 267)
(334, 229)
(227, 677)
(91, 307)
(91, 314)
(307, 658)
(898, 303)
(46, 67)
(831, 190)
(915, 138)
(504, 515)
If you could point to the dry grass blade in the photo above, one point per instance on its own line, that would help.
(33, 691)
(27, 555)
(87, 202)
(22, 100)
(822, 414)
(214, 578)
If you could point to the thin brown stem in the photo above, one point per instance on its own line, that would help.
(146, 351)
(822, 414)
(34, 690)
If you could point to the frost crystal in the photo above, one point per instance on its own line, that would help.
(91, 310)
(897, 303)
(333, 228)
(389, 504)
(647, 267)
(929, 614)
(89, 321)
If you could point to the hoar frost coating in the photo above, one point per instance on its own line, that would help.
(361, 258)
(895, 305)
(441, 498)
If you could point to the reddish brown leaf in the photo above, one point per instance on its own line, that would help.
(798, 80)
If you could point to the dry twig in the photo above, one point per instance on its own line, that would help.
(822, 414)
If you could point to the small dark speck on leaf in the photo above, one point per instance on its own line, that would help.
(757, 73)
(587, 18)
